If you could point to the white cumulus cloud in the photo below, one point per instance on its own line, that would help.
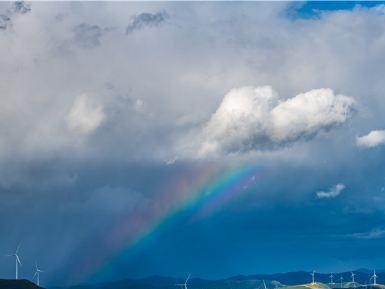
(254, 118)
(334, 191)
(85, 116)
(372, 139)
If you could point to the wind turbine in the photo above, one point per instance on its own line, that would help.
(331, 278)
(264, 284)
(341, 278)
(312, 277)
(37, 275)
(374, 277)
(354, 283)
(185, 283)
(17, 261)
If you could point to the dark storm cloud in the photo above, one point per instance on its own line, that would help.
(66, 207)
(145, 19)
(271, 221)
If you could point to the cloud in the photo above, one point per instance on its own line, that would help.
(146, 20)
(334, 192)
(4, 21)
(372, 139)
(85, 116)
(376, 233)
(179, 75)
(17, 7)
(254, 118)
(88, 36)
(21, 7)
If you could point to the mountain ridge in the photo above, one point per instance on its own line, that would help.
(252, 281)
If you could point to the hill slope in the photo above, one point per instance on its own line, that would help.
(17, 284)
(309, 286)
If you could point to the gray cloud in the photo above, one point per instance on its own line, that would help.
(145, 19)
(4, 21)
(87, 35)
(10, 10)
(169, 104)
(21, 7)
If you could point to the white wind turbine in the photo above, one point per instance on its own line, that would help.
(312, 277)
(37, 274)
(331, 278)
(354, 283)
(185, 283)
(17, 261)
(374, 277)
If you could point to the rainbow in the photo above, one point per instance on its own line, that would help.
(197, 192)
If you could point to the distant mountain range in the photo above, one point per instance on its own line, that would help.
(276, 280)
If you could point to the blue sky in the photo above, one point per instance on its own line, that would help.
(213, 138)
(308, 9)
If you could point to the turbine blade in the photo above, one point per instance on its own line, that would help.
(17, 249)
(34, 275)
(18, 260)
(188, 278)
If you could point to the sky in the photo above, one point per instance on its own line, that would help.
(211, 138)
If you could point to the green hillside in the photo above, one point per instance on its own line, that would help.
(338, 285)
(309, 286)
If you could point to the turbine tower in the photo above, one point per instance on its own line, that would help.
(354, 283)
(331, 278)
(312, 277)
(37, 275)
(17, 261)
(341, 279)
(184, 285)
(264, 284)
(374, 277)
